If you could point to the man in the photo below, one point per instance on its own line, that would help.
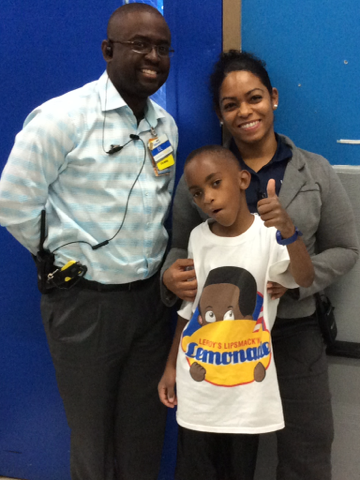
(85, 158)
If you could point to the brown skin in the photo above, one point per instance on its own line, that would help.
(244, 101)
(218, 188)
(137, 76)
(274, 215)
(166, 387)
(180, 280)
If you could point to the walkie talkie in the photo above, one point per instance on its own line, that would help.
(50, 276)
(44, 259)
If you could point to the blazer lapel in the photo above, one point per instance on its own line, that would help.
(293, 180)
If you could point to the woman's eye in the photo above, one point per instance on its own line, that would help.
(229, 106)
(256, 98)
(210, 316)
(229, 315)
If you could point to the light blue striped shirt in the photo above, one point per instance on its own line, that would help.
(58, 162)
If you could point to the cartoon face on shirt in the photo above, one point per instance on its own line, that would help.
(220, 302)
(226, 308)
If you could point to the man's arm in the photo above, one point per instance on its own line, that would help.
(33, 165)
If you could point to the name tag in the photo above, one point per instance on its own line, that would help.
(161, 153)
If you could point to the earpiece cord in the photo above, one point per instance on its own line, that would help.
(105, 242)
(70, 243)
(128, 198)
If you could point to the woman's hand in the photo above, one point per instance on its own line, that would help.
(180, 279)
(166, 387)
(273, 214)
(275, 290)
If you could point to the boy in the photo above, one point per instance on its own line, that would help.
(225, 373)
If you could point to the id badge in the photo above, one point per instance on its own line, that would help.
(161, 153)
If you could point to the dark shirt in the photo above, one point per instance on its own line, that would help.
(274, 169)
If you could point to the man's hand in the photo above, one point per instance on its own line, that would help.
(273, 214)
(180, 279)
(166, 388)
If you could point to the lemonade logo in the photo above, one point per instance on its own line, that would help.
(226, 342)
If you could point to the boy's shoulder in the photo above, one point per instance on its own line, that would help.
(200, 230)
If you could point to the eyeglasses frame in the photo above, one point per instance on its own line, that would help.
(152, 45)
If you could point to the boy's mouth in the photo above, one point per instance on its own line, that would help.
(216, 211)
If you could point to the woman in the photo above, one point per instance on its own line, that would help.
(313, 196)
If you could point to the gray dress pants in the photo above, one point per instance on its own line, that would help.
(109, 350)
(304, 445)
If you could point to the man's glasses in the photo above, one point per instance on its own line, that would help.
(145, 48)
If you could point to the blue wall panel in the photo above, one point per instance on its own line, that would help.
(312, 53)
(197, 39)
(48, 48)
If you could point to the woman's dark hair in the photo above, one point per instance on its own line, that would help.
(235, 61)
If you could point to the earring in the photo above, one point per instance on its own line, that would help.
(221, 123)
(275, 106)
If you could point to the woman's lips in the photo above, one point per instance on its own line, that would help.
(250, 125)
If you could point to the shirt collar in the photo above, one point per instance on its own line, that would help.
(111, 99)
(283, 152)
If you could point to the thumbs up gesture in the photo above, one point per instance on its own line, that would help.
(273, 214)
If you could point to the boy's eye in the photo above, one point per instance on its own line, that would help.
(216, 183)
(196, 194)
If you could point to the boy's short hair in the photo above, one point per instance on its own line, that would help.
(242, 279)
(214, 150)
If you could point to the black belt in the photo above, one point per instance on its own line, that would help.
(114, 287)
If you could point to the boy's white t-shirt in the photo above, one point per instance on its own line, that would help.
(228, 399)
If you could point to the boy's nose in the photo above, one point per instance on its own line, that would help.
(208, 197)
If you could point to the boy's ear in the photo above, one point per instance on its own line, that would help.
(244, 179)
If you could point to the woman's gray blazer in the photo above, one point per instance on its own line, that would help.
(317, 203)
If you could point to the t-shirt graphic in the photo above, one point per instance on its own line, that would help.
(227, 342)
